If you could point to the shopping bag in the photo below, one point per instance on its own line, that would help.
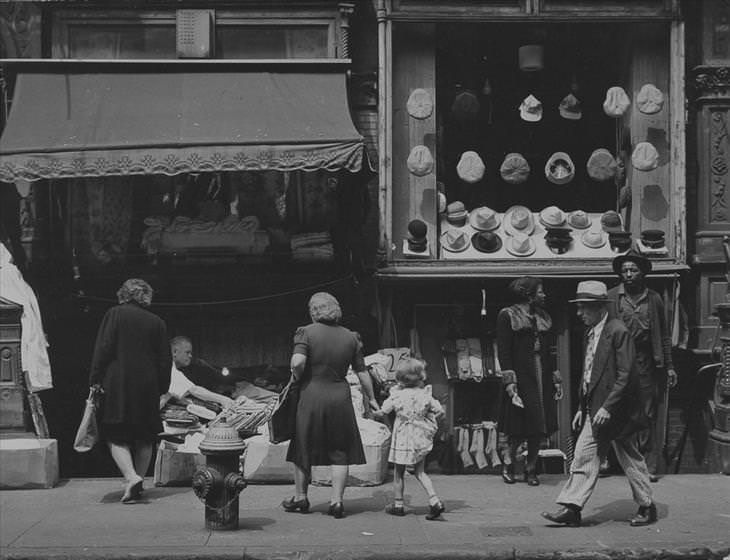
(283, 418)
(88, 433)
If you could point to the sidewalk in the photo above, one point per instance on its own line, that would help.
(82, 518)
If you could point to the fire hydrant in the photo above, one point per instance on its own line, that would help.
(219, 483)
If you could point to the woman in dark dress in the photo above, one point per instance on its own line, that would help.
(132, 365)
(326, 430)
(523, 346)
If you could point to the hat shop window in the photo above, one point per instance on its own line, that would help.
(552, 141)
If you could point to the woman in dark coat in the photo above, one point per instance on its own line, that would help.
(132, 364)
(326, 431)
(523, 346)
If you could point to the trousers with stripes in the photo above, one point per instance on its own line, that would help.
(587, 463)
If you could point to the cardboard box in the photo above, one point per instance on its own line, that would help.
(372, 473)
(174, 468)
(265, 462)
(28, 463)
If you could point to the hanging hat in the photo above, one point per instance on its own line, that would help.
(578, 219)
(486, 242)
(619, 241)
(616, 102)
(530, 57)
(484, 219)
(470, 167)
(653, 238)
(559, 169)
(593, 238)
(558, 240)
(645, 157)
(531, 109)
(454, 241)
(441, 203)
(591, 291)
(650, 99)
(601, 165)
(611, 221)
(519, 219)
(420, 161)
(456, 214)
(514, 169)
(419, 104)
(552, 217)
(569, 108)
(417, 236)
(465, 106)
(520, 245)
(643, 263)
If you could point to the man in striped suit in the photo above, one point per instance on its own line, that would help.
(610, 412)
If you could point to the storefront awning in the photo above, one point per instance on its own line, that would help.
(81, 123)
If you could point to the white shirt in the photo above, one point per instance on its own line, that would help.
(179, 384)
(597, 329)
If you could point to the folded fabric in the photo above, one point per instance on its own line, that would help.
(475, 358)
(462, 356)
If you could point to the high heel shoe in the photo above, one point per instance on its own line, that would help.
(508, 474)
(292, 505)
(336, 510)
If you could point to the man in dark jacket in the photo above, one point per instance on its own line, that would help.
(642, 311)
(609, 411)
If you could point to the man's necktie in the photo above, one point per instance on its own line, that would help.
(588, 365)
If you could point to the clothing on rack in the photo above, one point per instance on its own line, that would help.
(477, 443)
(464, 360)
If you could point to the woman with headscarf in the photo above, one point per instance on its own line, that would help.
(531, 384)
(326, 431)
(132, 365)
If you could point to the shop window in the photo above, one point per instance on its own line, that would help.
(272, 41)
(121, 41)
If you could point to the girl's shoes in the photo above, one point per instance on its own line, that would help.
(508, 474)
(393, 509)
(292, 505)
(531, 479)
(336, 510)
(435, 511)
(133, 492)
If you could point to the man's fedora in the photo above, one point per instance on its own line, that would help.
(591, 291)
(642, 262)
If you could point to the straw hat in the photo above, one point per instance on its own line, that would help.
(520, 245)
(420, 161)
(591, 291)
(454, 241)
(470, 167)
(649, 100)
(593, 238)
(616, 102)
(514, 169)
(601, 165)
(578, 219)
(645, 157)
(519, 219)
(419, 104)
(552, 217)
(484, 219)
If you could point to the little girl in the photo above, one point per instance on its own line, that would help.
(413, 431)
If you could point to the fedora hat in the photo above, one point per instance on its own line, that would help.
(456, 214)
(514, 169)
(643, 263)
(454, 241)
(616, 102)
(531, 109)
(520, 245)
(601, 165)
(558, 240)
(593, 238)
(519, 219)
(559, 169)
(569, 108)
(579, 219)
(650, 99)
(611, 221)
(484, 219)
(645, 157)
(486, 242)
(417, 235)
(620, 241)
(470, 167)
(552, 217)
(420, 161)
(591, 291)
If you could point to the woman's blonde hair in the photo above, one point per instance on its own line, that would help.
(411, 372)
(135, 290)
(324, 308)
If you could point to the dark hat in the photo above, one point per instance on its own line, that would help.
(611, 221)
(486, 242)
(653, 238)
(643, 263)
(417, 236)
(558, 239)
(514, 169)
(620, 241)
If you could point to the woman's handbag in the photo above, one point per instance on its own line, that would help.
(283, 418)
(88, 433)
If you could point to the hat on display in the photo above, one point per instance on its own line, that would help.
(417, 236)
(601, 165)
(611, 221)
(420, 161)
(569, 108)
(514, 169)
(520, 245)
(530, 57)
(441, 203)
(519, 219)
(616, 102)
(652, 238)
(470, 167)
(643, 263)
(619, 241)
(486, 242)
(645, 157)
(559, 169)
(531, 109)
(591, 291)
(484, 219)
(593, 238)
(552, 217)
(579, 219)
(650, 99)
(454, 241)
(456, 214)
(465, 106)
(558, 240)
(419, 104)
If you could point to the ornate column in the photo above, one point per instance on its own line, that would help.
(346, 11)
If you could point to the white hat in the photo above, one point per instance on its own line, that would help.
(420, 161)
(519, 219)
(559, 169)
(470, 167)
(591, 291)
(594, 238)
(454, 240)
(616, 102)
(650, 99)
(531, 109)
(552, 217)
(645, 157)
(419, 104)
(484, 219)
(520, 245)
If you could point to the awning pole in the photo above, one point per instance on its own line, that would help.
(383, 148)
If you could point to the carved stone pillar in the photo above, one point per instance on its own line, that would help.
(346, 11)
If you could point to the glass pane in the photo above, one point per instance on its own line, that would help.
(121, 41)
(248, 41)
